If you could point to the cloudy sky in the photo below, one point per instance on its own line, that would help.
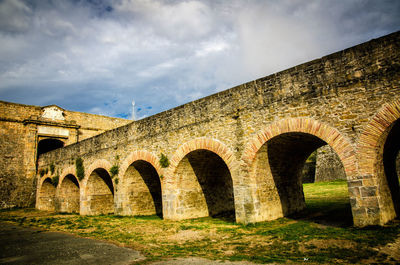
(97, 56)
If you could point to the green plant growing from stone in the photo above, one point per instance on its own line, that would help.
(114, 170)
(54, 180)
(52, 168)
(80, 171)
(116, 181)
(164, 162)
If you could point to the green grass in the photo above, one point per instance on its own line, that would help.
(320, 234)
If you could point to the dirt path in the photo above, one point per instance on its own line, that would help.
(21, 245)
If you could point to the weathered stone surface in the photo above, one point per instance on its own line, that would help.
(328, 166)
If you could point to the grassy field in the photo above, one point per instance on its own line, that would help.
(321, 234)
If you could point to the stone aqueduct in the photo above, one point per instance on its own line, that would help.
(242, 150)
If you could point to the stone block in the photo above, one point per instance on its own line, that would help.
(368, 191)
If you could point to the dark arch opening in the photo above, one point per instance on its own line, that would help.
(100, 192)
(206, 185)
(69, 197)
(47, 195)
(287, 155)
(391, 162)
(143, 190)
(47, 145)
(279, 164)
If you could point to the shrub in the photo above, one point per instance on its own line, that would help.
(164, 162)
(54, 180)
(52, 168)
(80, 171)
(114, 170)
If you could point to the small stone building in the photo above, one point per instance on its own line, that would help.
(28, 131)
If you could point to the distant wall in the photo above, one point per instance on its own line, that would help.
(328, 165)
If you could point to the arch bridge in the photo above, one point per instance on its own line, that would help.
(241, 151)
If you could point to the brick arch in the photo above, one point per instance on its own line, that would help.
(90, 204)
(140, 188)
(68, 192)
(69, 171)
(274, 172)
(140, 155)
(374, 133)
(330, 135)
(45, 200)
(209, 144)
(100, 163)
(382, 188)
(43, 179)
(186, 196)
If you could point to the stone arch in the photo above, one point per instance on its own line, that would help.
(378, 184)
(98, 190)
(275, 158)
(209, 144)
(140, 191)
(201, 180)
(69, 192)
(46, 194)
(141, 155)
(48, 144)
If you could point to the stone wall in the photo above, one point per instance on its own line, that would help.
(22, 127)
(328, 166)
(270, 125)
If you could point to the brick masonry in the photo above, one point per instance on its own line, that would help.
(256, 136)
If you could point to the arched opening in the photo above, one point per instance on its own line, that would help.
(47, 195)
(142, 189)
(205, 186)
(323, 165)
(69, 195)
(47, 145)
(279, 168)
(100, 193)
(391, 163)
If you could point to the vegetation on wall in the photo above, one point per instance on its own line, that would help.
(54, 180)
(80, 171)
(114, 170)
(52, 168)
(164, 162)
